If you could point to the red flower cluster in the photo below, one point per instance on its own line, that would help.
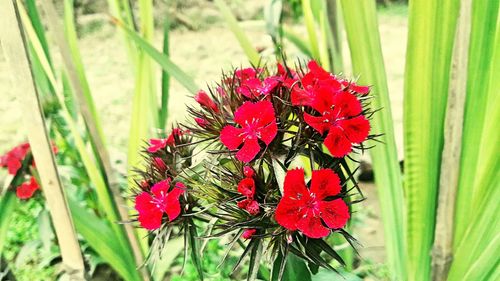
(338, 110)
(152, 204)
(305, 209)
(14, 158)
(13, 161)
(256, 124)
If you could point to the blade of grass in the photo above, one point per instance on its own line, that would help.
(361, 22)
(432, 26)
(120, 10)
(8, 204)
(161, 59)
(165, 78)
(16, 53)
(334, 35)
(293, 37)
(311, 30)
(232, 23)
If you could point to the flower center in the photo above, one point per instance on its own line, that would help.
(251, 130)
(313, 204)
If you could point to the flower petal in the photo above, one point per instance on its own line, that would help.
(356, 129)
(324, 183)
(268, 133)
(319, 123)
(334, 213)
(156, 144)
(288, 213)
(230, 137)
(263, 111)
(249, 150)
(337, 143)
(312, 227)
(144, 203)
(150, 220)
(173, 205)
(346, 104)
(160, 189)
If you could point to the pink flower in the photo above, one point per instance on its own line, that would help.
(27, 189)
(205, 101)
(152, 206)
(257, 121)
(307, 209)
(247, 234)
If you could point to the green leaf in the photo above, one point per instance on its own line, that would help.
(432, 26)
(243, 39)
(367, 60)
(8, 204)
(165, 78)
(324, 275)
(161, 59)
(311, 28)
(296, 269)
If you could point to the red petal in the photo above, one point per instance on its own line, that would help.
(204, 100)
(312, 227)
(150, 220)
(247, 187)
(317, 122)
(268, 133)
(244, 203)
(356, 129)
(295, 186)
(156, 144)
(202, 122)
(246, 73)
(160, 189)
(323, 99)
(334, 213)
(27, 189)
(324, 183)
(300, 96)
(230, 137)
(13, 165)
(173, 208)
(144, 204)
(263, 111)
(249, 150)
(269, 84)
(337, 143)
(346, 105)
(288, 213)
(318, 71)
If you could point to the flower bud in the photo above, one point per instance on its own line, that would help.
(204, 100)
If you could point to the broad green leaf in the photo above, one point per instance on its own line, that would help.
(361, 22)
(243, 39)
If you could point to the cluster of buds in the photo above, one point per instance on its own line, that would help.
(264, 158)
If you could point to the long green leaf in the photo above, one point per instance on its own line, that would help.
(162, 60)
(165, 78)
(432, 27)
(361, 22)
(311, 29)
(479, 94)
(8, 204)
(243, 39)
(101, 237)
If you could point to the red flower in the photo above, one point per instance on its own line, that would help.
(13, 159)
(306, 209)
(247, 187)
(27, 189)
(248, 171)
(315, 79)
(250, 205)
(205, 101)
(247, 234)
(251, 86)
(151, 206)
(257, 121)
(356, 88)
(340, 116)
